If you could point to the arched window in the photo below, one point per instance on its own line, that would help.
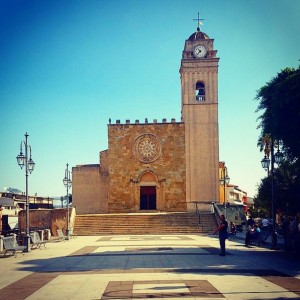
(200, 91)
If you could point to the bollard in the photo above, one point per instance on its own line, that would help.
(1, 242)
(15, 239)
(47, 234)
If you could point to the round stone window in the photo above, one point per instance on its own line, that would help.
(147, 148)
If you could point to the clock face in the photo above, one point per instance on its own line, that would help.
(200, 51)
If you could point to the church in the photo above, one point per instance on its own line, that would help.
(161, 166)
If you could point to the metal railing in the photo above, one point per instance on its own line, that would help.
(217, 212)
(198, 213)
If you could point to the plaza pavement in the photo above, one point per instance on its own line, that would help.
(149, 266)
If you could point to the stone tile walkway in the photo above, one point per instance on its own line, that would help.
(149, 266)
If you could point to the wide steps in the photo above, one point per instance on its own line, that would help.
(144, 223)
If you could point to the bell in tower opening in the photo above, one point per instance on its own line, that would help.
(200, 92)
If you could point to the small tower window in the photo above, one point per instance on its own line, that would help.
(200, 91)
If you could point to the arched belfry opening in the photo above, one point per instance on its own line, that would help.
(200, 91)
(148, 187)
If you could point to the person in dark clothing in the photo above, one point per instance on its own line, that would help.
(250, 223)
(254, 235)
(232, 228)
(223, 234)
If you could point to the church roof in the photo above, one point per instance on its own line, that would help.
(198, 35)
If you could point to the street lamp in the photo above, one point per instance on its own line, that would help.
(29, 166)
(265, 163)
(67, 183)
(268, 146)
(224, 180)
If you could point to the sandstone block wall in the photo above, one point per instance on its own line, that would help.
(52, 219)
(126, 170)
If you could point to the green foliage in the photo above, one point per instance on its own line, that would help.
(279, 102)
(286, 189)
(262, 200)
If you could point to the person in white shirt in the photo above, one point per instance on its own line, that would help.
(265, 229)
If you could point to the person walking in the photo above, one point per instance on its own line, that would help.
(223, 234)
(265, 229)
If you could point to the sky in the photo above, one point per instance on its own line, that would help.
(66, 67)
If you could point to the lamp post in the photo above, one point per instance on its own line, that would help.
(29, 166)
(268, 146)
(67, 183)
(224, 180)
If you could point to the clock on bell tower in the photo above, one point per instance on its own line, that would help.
(199, 113)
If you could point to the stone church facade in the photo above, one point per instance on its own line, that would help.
(161, 166)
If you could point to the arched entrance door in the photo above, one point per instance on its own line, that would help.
(148, 191)
(148, 197)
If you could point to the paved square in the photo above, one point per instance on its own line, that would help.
(142, 267)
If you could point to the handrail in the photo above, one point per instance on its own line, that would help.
(198, 213)
(217, 212)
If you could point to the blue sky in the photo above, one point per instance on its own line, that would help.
(66, 67)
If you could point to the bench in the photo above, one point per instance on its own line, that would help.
(10, 245)
(61, 235)
(36, 240)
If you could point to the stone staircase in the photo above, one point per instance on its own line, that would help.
(143, 223)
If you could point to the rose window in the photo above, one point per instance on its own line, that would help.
(147, 148)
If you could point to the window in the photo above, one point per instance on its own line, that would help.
(200, 91)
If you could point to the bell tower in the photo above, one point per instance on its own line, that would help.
(199, 113)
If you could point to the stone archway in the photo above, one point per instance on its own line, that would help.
(148, 191)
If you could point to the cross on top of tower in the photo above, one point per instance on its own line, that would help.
(199, 22)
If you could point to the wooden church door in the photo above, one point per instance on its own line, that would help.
(147, 197)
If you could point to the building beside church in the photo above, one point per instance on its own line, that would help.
(161, 166)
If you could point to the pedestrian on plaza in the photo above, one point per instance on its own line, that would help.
(265, 229)
(253, 235)
(250, 223)
(232, 228)
(285, 225)
(292, 234)
(223, 234)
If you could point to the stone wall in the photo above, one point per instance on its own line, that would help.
(138, 149)
(52, 219)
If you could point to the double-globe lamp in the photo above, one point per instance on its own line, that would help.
(67, 183)
(29, 164)
(224, 180)
(265, 163)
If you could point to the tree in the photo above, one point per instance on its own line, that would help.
(279, 101)
(286, 188)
